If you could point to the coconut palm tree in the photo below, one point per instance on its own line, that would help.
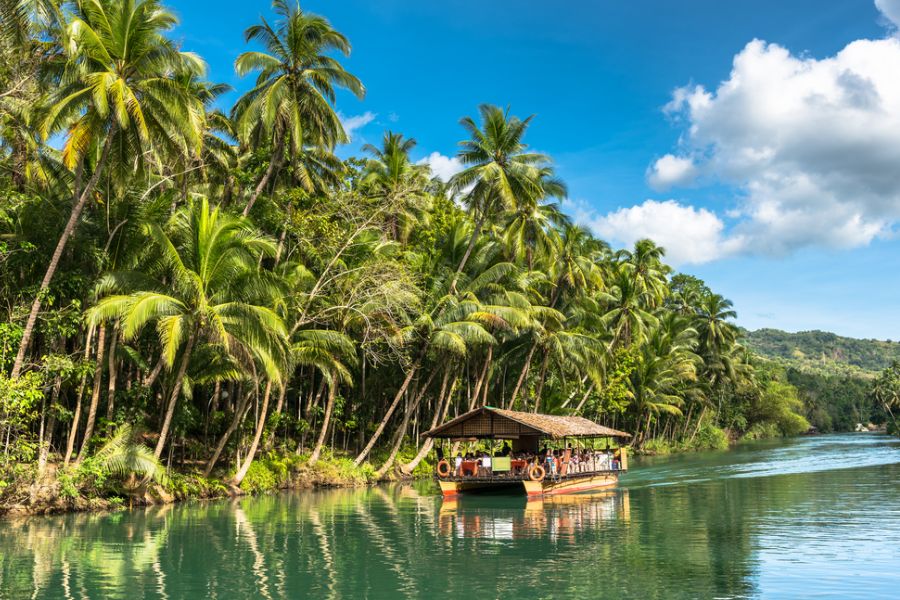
(665, 367)
(118, 89)
(329, 352)
(292, 102)
(627, 312)
(644, 264)
(499, 169)
(396, 182)
(451, 326)
(204, 283)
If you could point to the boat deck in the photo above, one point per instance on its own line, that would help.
(513, 477)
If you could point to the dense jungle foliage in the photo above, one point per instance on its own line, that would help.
(212, 291)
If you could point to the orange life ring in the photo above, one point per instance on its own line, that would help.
(536, 473)
(443, 468)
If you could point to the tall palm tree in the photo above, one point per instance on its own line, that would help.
(204, 284)
(292, 103)
(329, 352)
(628, 314)
(644, 264)
(499, 169)
(532, 229)
(118, 89)
(665, 366)
(398, 183)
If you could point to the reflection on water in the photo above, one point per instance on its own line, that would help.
(554, 517)
(808, 517)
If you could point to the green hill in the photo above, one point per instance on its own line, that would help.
(833, 374)
(823, 352)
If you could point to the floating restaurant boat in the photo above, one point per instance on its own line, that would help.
(587, 456)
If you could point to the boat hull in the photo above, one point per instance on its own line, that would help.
(546, 487)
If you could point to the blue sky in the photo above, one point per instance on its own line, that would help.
(773, 180)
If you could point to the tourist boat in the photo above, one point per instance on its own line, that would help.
(588, 456)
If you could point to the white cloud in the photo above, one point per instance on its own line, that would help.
(813, 145)
(442, 166)
(671, 170)
(690, 235)
(890, 9)
(355, 122)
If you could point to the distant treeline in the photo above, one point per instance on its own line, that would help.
(835, 375)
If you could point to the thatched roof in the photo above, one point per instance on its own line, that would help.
(489, 422)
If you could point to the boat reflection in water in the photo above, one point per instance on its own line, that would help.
(554, 517)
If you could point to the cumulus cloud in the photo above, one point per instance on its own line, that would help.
(690, 235)
(811, 144)
(444, 167)
(671, 170)
(354, 123)
(890, 9)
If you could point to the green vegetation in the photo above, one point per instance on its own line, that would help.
(823, 352)
(268, 314)
(834, 374)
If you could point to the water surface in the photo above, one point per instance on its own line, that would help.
(815, 517)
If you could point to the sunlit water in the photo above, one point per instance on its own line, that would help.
(812, 517)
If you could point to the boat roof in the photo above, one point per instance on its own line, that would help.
(491, 423)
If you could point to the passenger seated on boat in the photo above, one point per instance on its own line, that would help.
(519, 464)
(469, 466)
(485, 464)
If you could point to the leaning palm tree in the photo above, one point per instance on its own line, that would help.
(329, 352)
(118, 90)
(451, 327)
(204, 284)
(292, 103)
(499, 169)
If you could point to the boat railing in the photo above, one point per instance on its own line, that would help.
(521, 470)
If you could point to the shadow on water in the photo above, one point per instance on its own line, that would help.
(775, 519)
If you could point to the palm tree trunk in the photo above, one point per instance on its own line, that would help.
(260, 426)
(57, 253)
(390, 411)
(699, 423)
(176, 391)
(274, 164)
(479, 223)
(239, 411)
(522, 375)
(111, 390)
(540, 388)
(154, 374)
(401, 432)
(481, 378)
(279, 406)
(76, 418)
(440, 413)
(584, 398)
(44, 444)
(95, 396)
(326, 421)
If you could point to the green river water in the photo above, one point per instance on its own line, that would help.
(814, 517)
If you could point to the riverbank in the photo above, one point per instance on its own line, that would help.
(82, 488)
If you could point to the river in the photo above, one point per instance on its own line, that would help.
(808, 517)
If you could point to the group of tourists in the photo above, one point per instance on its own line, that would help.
(554, 462)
